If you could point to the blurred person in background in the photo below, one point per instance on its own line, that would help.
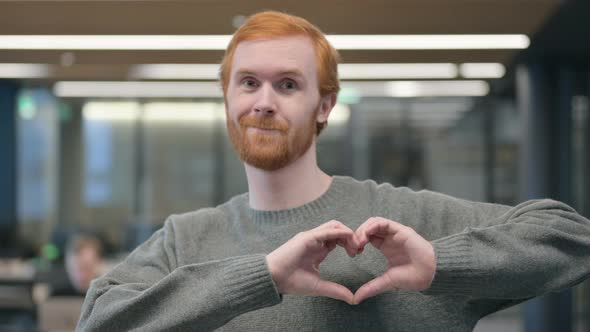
(83, 261)
(266, 259)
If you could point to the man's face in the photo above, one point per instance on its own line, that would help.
(273, 100)
(82, 267)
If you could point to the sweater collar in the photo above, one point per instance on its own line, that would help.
(321, 205)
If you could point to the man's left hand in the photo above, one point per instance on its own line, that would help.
(411, 259)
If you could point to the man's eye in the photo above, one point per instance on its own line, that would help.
(289, 85)
(249, 83)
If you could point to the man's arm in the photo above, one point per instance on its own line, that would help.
(149, 292)
(488, 250)
(528, 250)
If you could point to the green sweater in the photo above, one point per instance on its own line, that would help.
(206, 269)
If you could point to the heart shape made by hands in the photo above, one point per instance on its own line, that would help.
(410, 259)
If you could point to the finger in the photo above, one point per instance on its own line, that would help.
(382, 226)
(350, 251)
(330, 245)
(333, 290)
(318, 239)
(351, 245)
(330, 234)
(381, 229)
(372, 288)
(361, 231)
(333, 224)
(376, 241)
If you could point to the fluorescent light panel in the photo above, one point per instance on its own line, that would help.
(111, 111)
(407, 89)
(220, 42)
(175, 112)
(482, 70)
(339, 114)
(24, 70)
(398, 89)
(202, 71)
(112, 42)
(437, 88)
(428, 42)
(396, 70)
(346, 71)
(138, 89)
(183, 112)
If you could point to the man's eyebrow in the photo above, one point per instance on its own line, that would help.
(244, 72)
(291, 72)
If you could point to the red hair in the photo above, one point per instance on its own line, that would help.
(273, 24)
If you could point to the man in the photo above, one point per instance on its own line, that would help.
(266, 260)
(82, 262)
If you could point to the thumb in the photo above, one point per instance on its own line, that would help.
(333, 290)
(373, 287)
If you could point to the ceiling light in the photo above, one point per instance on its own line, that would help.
(23, 70)
(183, 112)
(437, 88)
(110, 111)
(345, 71)
(203, 71)
(402, 89)
(396, 70)
(482, 70)
(114, 42)
(428, 42)
(220, 42)
(398, 89)
(138, 89)
(339, 114)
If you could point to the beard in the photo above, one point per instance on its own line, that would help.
(273, 150)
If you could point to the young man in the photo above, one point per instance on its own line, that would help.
(412, 261)
(83, 262)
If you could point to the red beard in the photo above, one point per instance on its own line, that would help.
(269, 151)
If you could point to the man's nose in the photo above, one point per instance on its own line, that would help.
(266, 102)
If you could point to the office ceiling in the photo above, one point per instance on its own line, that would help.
(216, 17)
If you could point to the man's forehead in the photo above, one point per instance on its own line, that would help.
(286, 54)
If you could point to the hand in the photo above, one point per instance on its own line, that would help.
(411, 259)
(294, 266)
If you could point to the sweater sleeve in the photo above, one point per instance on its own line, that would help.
(148, 292)
(499, 252)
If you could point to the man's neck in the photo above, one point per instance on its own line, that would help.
(292, 186)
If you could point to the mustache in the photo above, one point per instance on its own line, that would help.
(264, 123)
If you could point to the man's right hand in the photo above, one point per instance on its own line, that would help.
(294, 266)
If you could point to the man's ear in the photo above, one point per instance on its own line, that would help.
(327, 103)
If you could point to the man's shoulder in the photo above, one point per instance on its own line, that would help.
(375, 190)
(389, 192)
(352, 184)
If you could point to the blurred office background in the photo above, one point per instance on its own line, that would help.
(113, 135)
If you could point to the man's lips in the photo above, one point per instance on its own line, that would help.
(264, 130)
